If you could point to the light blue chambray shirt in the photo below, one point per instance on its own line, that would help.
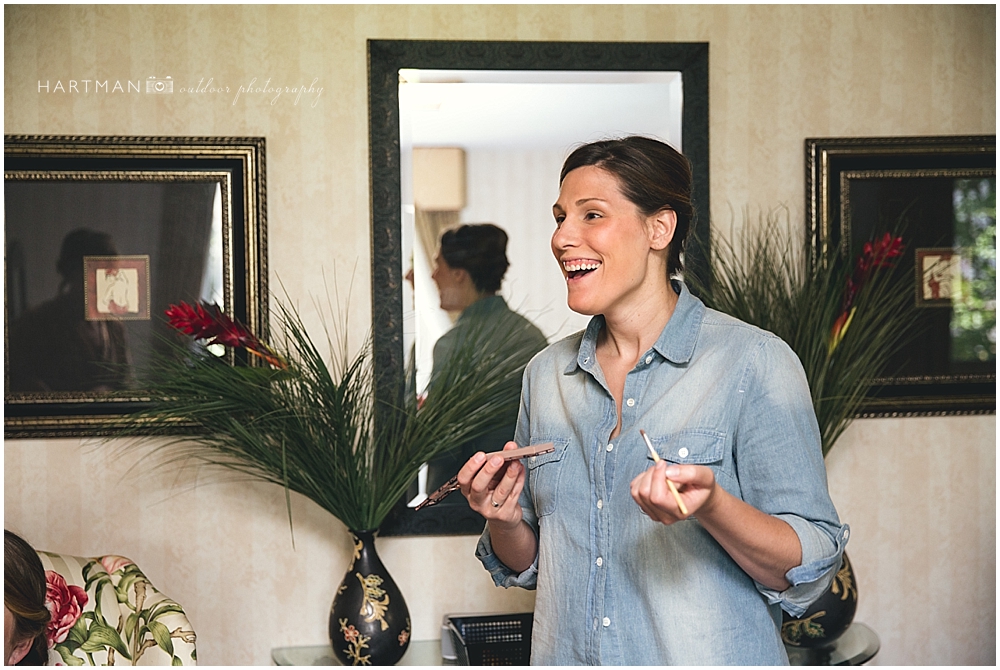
(615, 587)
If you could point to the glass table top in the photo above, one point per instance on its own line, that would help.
(855, 647)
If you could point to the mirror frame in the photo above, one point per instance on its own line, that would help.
(385, 59)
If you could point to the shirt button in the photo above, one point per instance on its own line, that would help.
(847, 533)
(610, 446)
(586, 360)
(630, 402)
(606, 622)
(600, 505)
(682, 452)
(649, 359)
(600, 562)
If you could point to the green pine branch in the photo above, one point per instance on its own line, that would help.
(311, 428)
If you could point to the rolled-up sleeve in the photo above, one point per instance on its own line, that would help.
(781, 471)
(502, 575)
(821, 558)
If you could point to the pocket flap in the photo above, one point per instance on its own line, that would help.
(561, 445)
(691, 447)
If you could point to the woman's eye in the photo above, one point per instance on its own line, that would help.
(592, 215)
(559, 219)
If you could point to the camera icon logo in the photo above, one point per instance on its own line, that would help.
(154, 85)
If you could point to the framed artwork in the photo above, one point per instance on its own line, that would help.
(940, 194)
(116, 288)
(102, 234)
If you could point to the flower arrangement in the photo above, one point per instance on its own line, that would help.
(293, 420)
(844, 321)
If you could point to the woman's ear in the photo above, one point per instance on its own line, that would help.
(462, 276)
(661, 228)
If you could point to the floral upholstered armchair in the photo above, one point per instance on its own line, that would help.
(105, 612)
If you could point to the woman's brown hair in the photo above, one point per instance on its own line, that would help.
(481, 250)
(24, 596)
(652, 175)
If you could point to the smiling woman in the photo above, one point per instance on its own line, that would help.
(728, 417)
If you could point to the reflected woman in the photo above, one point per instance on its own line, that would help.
(54, 348)
(468, 270)
(623, 575)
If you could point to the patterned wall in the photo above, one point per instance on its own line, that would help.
(920, 494)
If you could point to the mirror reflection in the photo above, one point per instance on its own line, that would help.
(85, 285)
(483, 148)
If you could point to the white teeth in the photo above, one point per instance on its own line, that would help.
(576, 266)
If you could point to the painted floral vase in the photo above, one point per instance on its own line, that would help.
(369, 621)
(827, 618)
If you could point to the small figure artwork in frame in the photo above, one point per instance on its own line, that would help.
(116, 287)
(938, 277)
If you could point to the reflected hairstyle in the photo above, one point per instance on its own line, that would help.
(77, 244)
(24, 595)
(651, 174)
(481, 250)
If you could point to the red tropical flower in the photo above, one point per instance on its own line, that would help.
(209, 322)
(65, 602)
(871, 258)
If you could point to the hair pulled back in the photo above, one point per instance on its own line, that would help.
(651, 174)
(481, 250)
(24, 595)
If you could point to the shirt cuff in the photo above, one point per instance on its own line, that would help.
(821, 554)
(502, 575)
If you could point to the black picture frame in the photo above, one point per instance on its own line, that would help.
(856, 186)
(188, 172)
(385, 59)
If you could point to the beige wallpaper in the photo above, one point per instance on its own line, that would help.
(920, 493)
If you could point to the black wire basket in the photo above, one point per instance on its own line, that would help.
(492, 639)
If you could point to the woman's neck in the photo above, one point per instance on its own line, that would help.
(472, 296)
(631, 329)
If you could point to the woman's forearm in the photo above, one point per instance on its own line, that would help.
(764, 546)
(515, 545)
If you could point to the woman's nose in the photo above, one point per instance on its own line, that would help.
(564, 236)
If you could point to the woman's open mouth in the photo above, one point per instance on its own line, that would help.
(578, 268)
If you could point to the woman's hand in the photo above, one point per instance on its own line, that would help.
(695, 484)
(493, 487)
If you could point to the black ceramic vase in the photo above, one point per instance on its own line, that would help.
(827, 618)
(369, 621)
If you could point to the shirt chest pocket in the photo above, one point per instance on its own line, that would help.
(544, 474)
(692, 447)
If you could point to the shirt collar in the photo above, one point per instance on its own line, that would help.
(676, 343)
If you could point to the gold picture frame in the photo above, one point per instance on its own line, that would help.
(858, 187)
(183, 217)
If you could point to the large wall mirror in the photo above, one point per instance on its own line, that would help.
(475, 132)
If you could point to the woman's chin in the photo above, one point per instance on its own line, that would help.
(585, 307)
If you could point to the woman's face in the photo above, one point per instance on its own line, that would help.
(12, 651)
(603, 243)
(452, 285)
